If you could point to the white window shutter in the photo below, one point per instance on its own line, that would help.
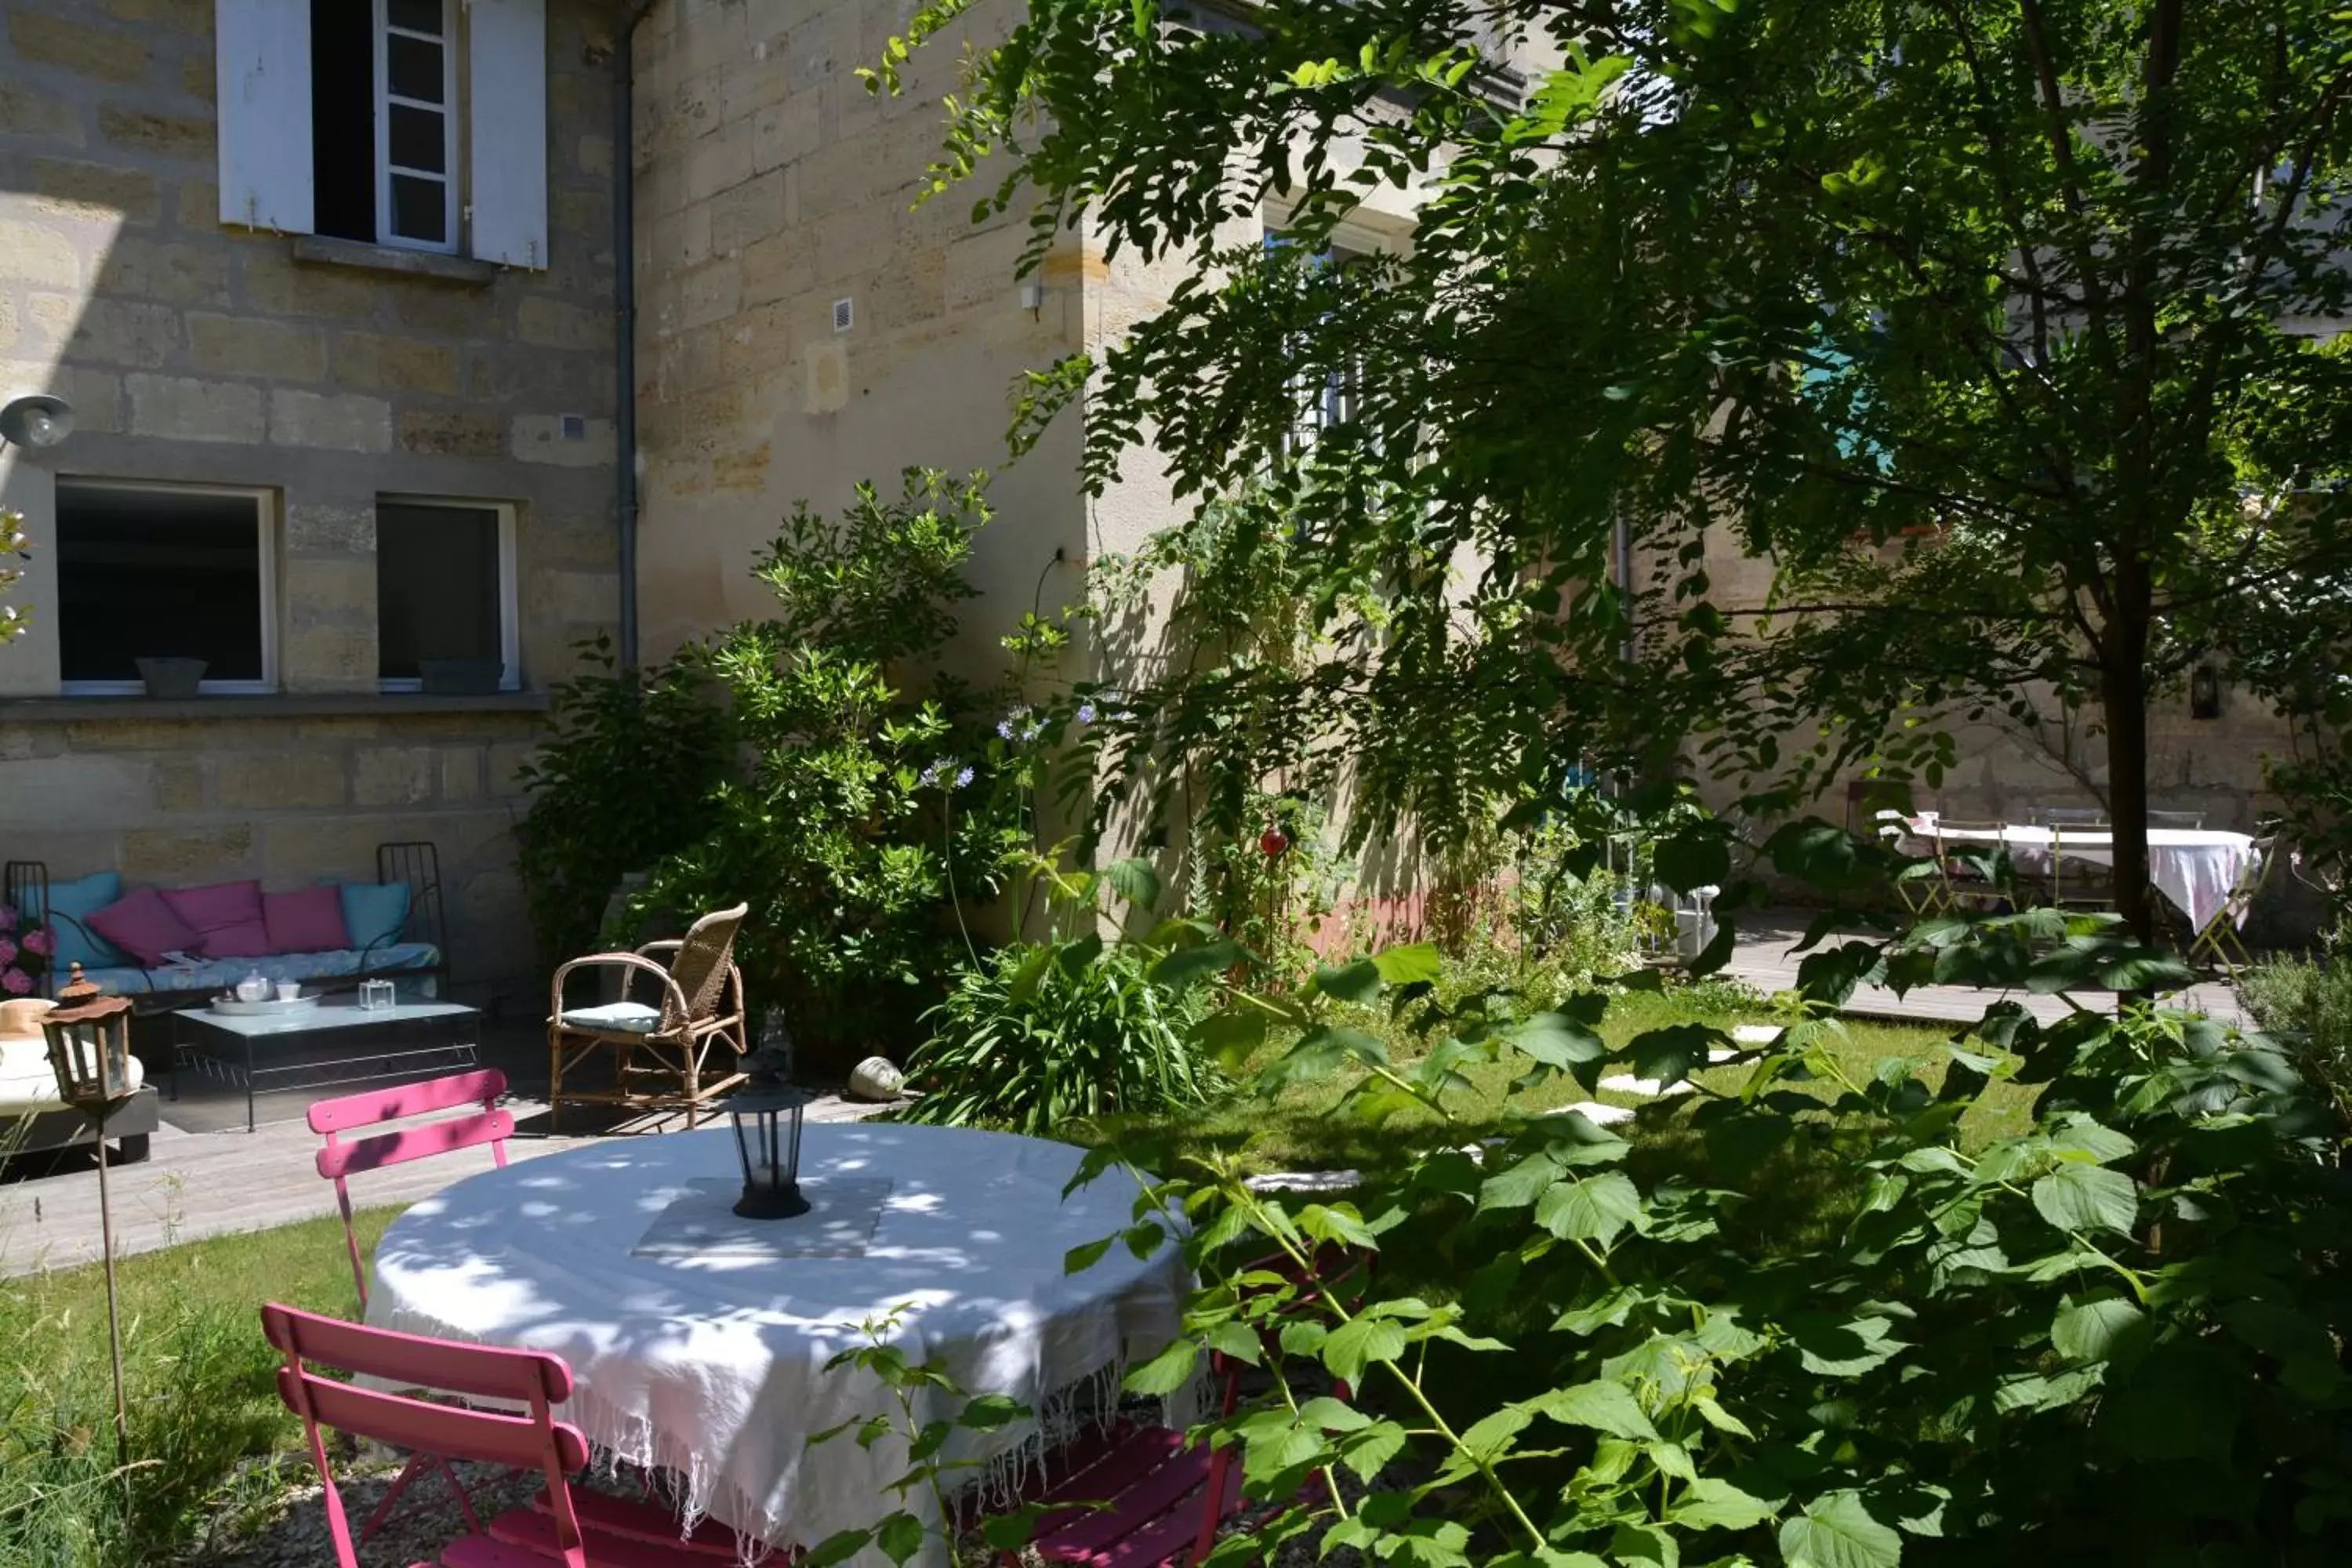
(262, 56)
(506, 48)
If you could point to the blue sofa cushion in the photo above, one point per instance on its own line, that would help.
(73, 903)
(375, 912)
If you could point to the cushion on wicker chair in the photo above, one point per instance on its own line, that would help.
(631, 1017)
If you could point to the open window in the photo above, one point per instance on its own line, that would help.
(415, 123)
(445, 590)
(155, 571)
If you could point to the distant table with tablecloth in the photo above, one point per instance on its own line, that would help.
(2194, 867)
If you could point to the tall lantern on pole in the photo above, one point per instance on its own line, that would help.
(88, 1037)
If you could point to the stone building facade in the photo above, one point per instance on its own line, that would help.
(317, 380)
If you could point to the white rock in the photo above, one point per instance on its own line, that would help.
(875, 1078)
(1304, 1181)
(1755, 1034)
(1600, 1115)
(1647, 1088)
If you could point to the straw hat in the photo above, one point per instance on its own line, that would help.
(21, 1019)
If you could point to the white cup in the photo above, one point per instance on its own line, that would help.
(288, 989)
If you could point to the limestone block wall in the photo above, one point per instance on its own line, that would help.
(2209, 766)
(325, 374)
(178, 801)
(770, 187)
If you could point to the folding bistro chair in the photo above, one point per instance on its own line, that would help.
(2081, 882)
(338, 1160)
(661, 1055)
(1921, 889)
(2219, 940)
(590, 1531)
(1145, 1496)
(1965, 887)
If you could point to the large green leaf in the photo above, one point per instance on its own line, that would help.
(1408, 964)
(1359, 982)
(1710, 1503)
(1602, 1405)
(1590, 1208)
(1355, 1345)
(2078, 1197)
(2088, 1330)
(1187, 965)
(1556, 1040)
(1836, 1531)
(1136, 881)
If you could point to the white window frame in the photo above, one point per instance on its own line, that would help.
(448, 109)
(265, 513)
(510, 599)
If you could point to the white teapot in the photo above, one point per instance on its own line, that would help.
(252, 988)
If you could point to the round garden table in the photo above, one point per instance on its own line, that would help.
(699, 1342)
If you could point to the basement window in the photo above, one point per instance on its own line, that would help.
(445, 591)
(151, 571)
(383, 121)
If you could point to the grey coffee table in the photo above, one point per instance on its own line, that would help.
(337, 1042)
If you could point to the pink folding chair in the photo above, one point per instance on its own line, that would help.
(338, 1160)
(592, 1531)
(1140, 1495)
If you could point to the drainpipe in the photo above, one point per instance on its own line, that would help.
(624, 327)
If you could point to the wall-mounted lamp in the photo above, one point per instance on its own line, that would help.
(2204, 693)
(1033, 297)
(36, 420)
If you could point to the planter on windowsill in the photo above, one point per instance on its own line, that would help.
(460, 677)
(170, 678)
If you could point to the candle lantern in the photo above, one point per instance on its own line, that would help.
(90, 1047)
(767, 1112)
(88, 1037)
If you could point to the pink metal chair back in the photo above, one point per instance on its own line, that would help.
(534, 1441)
(338, 1159)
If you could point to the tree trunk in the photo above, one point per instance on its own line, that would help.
(2123, 689)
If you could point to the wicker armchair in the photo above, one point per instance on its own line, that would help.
(661, 1054)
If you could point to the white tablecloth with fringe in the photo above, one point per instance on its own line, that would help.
(713, 1368)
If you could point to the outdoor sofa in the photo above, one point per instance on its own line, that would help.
(392, 927)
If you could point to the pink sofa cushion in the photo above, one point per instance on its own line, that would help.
(227, 918)
(306, 920)
(143, 925)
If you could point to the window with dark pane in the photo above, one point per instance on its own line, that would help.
(416, 125)
(150, 573)
(342, 119)
(437, 593)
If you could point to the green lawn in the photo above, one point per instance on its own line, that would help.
(1297, 1133)
(200, 1396)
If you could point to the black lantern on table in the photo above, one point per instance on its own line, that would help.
(89, 1036)
(767, 1112)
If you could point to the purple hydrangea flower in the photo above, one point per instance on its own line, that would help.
(8, 951)
(38, 939)
(16, 982)
(8, 917)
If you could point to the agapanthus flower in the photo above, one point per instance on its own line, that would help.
(1086, 712)
(16, 982)
(38, 939)
(1011, 724)
(963, 777)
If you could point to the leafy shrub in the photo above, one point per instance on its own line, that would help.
(626, 777)
(1039, 1034)
(2114, 1336)
(2309, 1007)
(845, 807)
